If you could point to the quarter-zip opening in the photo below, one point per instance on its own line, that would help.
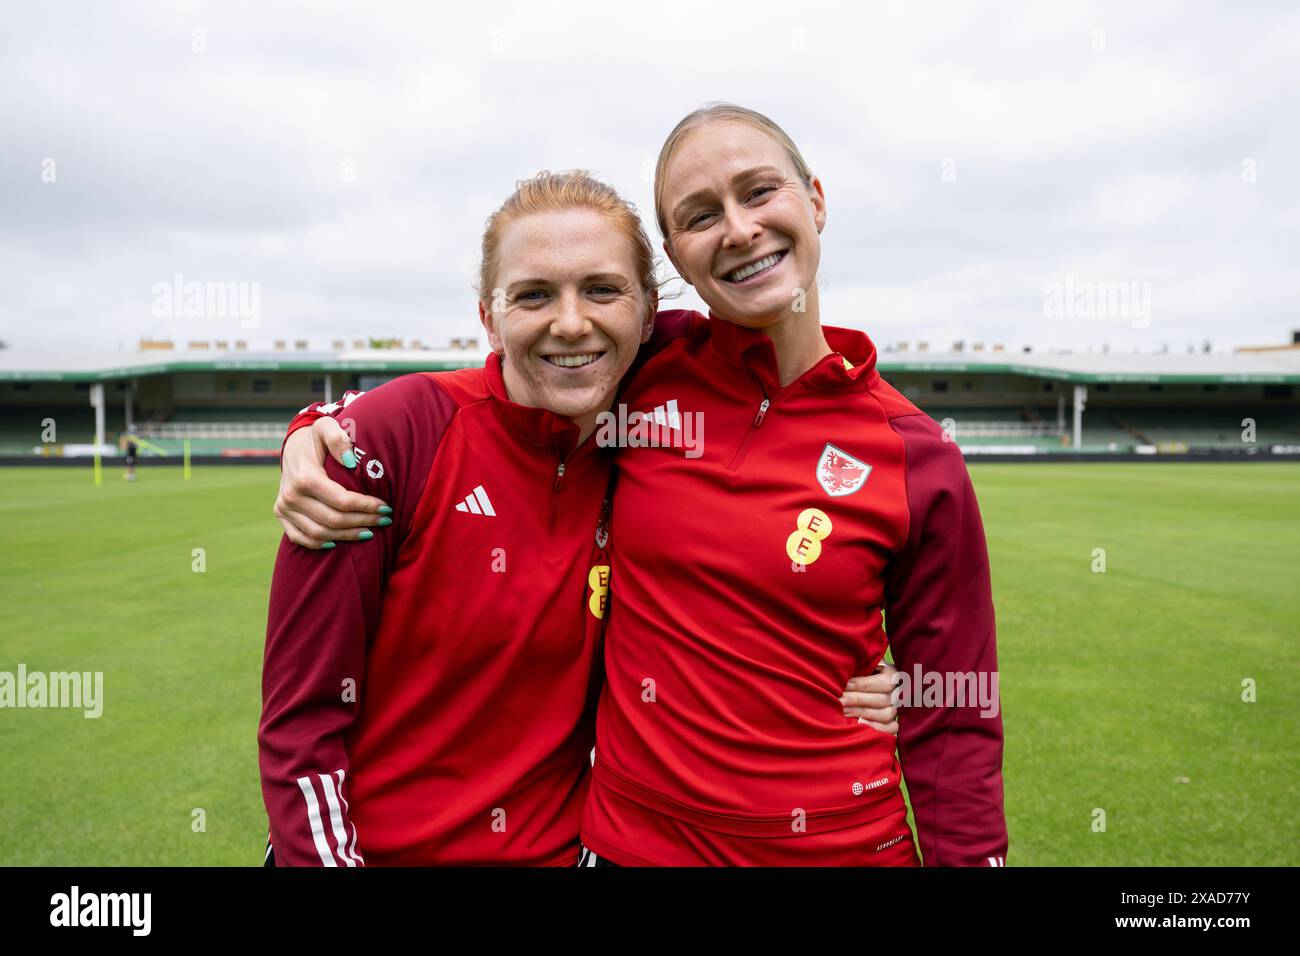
(760, 414)
(555, 500)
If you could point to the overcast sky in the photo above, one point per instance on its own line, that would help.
(344, 156)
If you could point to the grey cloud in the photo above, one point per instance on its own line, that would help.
(229, 163)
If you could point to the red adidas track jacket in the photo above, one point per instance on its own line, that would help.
(428, 696)
(822, 521)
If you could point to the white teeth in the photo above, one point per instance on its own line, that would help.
(746, 271)
(573, 361)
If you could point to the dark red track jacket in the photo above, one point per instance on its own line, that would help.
(429, 695)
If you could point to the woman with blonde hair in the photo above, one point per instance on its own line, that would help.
(827, 520)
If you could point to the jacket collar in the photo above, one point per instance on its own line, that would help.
(536, 425)
(753, 349)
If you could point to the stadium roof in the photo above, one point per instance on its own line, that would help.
(1278, 366)
(1281, 365)
(104, 366)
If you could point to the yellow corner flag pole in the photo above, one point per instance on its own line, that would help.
(99, 471)
(187, 459)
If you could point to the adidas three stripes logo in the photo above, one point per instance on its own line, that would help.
(477, 503)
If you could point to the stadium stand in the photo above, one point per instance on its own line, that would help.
(238, 403)
(1207, 427)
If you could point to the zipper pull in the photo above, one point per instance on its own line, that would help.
(559, 474)
(762, 410)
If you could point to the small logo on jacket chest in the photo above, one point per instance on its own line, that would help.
(598, 581)
(602, 525)
(839, 473)
(804, 545)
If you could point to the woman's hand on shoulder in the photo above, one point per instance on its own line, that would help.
(314, 510)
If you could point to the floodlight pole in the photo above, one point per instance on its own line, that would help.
(97, 402)
(1080, 402)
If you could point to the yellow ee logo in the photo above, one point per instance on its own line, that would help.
(598, 581)
(804, 546)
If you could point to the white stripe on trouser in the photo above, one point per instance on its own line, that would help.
(588, 857)
(317, 828)
(336, 819)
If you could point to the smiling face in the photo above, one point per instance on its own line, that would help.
(567, 311)
(742, 226)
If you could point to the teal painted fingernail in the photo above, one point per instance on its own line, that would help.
(385, 510)
(367, 535)
(327, 545)
(384, 522)
(349, 459)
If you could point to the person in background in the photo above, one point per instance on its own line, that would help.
(128, 446)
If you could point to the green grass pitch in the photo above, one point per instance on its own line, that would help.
(1122, 690)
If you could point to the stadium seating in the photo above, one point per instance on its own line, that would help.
(21, 429)
(1120, 429)
(231, 430)
(214, 431)
(193, 414)
(996, 427)
(1209, 427)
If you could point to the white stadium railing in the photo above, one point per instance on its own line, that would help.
(1002, 429)
(212, 430)
(277, 430)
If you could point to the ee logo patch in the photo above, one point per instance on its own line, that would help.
(598, 581)
(804, 546)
